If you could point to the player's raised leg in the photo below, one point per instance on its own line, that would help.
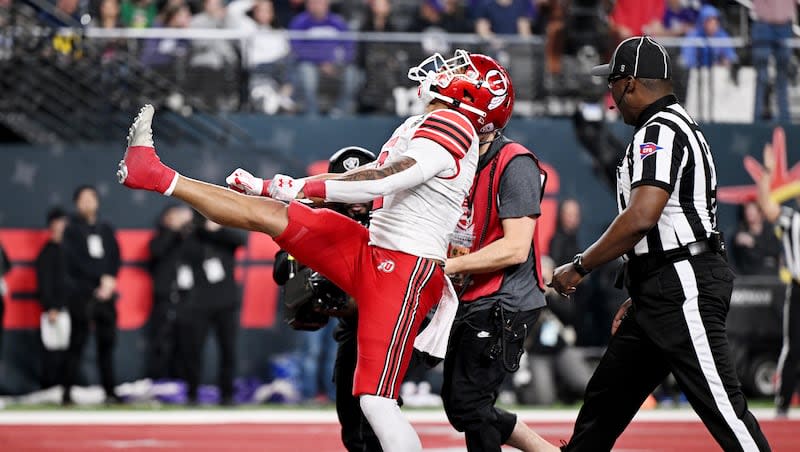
(142, 169)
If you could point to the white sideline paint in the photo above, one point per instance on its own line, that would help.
(288, 416)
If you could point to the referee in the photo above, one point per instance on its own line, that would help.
(787, 220)
(677, 276)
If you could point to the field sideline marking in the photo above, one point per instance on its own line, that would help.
(194, 417)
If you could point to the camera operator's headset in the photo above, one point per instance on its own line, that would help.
(309, 297)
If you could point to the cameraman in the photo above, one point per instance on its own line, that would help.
(212, 303)
(172, 279)
(357, 435)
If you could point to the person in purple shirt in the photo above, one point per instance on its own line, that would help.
(678, 19)
(331, 57)
(504, 17)
(708, 26)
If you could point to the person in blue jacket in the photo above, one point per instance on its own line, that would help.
(708, 26)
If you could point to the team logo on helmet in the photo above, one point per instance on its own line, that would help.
(496, 82)
(497, 101)
(350, 163)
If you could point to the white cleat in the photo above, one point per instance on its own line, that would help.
(122, 172)
(141, 131)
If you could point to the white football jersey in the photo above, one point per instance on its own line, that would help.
(419, 220)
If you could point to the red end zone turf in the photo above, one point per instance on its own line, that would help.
(324, 437)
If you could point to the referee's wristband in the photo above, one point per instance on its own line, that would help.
(578, 265)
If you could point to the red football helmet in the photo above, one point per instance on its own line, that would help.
(474, 84)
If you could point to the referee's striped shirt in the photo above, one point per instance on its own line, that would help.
(789, 232)
(669, 151)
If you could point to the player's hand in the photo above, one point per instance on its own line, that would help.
(242, 181)
(621, 313)
(285, 188)
(140, 168)
(565, 278)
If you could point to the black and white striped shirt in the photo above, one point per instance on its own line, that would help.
(789, 233)
(669, 151)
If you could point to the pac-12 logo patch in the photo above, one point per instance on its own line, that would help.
(386, 266)
(646, 149)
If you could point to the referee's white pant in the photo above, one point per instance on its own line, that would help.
(676, 324)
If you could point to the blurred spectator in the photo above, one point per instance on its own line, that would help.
(445, 15)
(286, 10)
(5, 267)
(172, 280)
(109, 14)
(679, 19)
(328, 57)
(772, 26)
(555, 12)
(138, 13)
(318, 351)
(635, 17)
(66, 13)
(163, 53)
(212, 304)
(559, 370)
(379, 16)
(383, 67)
(92, 261)
(265, 55)
(5, 14)
(212, 53)
(755, 249)
(708, 26)
(214, 63)
(564, 244)
(109, 17)
(51, 275)
(504, 17)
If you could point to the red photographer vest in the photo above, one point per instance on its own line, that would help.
(488, 228)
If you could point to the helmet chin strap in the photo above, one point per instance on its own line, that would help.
(458, 104)
(497, 134)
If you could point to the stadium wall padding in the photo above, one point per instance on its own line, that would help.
(32, 178)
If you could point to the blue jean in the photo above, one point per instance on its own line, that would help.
(770, 39)
(319, 357)
(308, 75)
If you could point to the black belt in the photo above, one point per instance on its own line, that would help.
(652, 261)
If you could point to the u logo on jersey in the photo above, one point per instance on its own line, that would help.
(386, 266)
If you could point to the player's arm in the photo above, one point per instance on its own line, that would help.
(440, 141)
(368, 184)
(519, 207)
(512, 249)
(656, 158)
(646, 204)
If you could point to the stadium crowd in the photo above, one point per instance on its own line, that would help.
(276, 72)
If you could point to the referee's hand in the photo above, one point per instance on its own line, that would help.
(565, 278)
(621, 313)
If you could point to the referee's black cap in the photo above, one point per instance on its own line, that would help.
(639, 57)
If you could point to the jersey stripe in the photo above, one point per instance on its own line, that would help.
(670, 152)
(789, 224)
(449, 129)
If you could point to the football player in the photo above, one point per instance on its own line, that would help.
(394, 269)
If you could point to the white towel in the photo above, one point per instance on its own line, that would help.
(55, 336)
(433, 339)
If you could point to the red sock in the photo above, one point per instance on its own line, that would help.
(146, 171)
